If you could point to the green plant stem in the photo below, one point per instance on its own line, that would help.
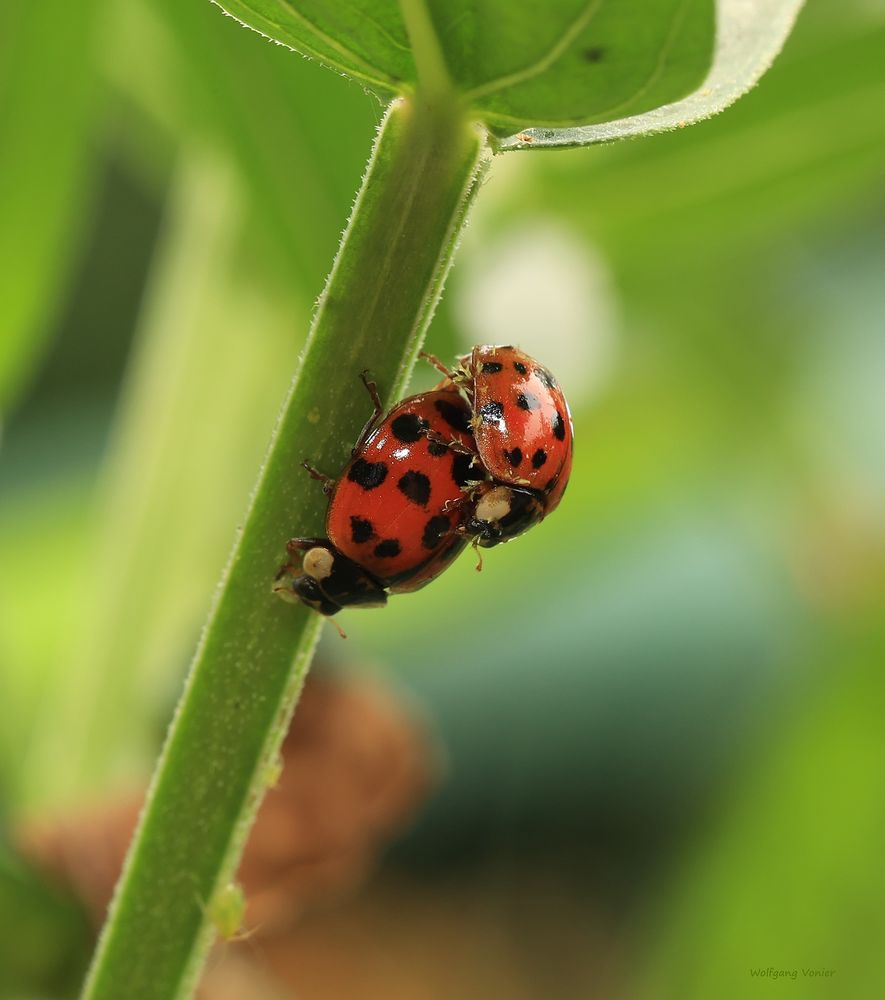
(387, 277)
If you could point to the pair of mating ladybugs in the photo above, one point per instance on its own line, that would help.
(481, 457)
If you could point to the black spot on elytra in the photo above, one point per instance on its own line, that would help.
(454, 416)
(463, 469)
(520, 367)
(527, 401)
(514, 457)
(361, 530)
(492, 412)
(367, 474)
(408, 427)
(415, 486)
(437, 448)
(387, 549)
(539, 458)
(492, 367)
(558, 427)
(434, 531)
(545, 377)
(594, 54)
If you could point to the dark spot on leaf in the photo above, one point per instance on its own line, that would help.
(387, 549)
(594, 54)
(539, 458)
(514, 457)
(361, 530)
(367, 474)
(408, 427)
(434, 531)
(415, 486)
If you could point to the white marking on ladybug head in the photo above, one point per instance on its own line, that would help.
(494, 505)
(318, 563)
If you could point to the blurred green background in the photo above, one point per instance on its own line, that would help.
(663, 711)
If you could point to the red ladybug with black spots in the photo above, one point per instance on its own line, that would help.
(395, 515)
(524, 436)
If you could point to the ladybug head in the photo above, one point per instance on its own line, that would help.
(501, 513)
(327, 581)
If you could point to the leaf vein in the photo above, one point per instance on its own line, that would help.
(379, 27)
(545, 62)
(658, 68)
(615, 109)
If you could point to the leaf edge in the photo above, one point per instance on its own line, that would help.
(736, 43)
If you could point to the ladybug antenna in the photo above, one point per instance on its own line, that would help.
(478, 553)
(341, 631)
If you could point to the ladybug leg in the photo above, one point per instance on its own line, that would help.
(372, 390)
(434, 360)
(378, 410)
(296, 545)
(452, 504)
(321, 477)
(434, 437)
(458, 378)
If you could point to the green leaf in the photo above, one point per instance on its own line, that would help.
(564, 63)
(749, 34)
(569, 73)
(46, 89)
(575, 61)
(366, 39)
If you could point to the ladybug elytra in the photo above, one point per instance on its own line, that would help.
(395, 514)
(524, 437)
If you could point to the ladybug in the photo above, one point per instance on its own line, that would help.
(524, 436)
(395, 514)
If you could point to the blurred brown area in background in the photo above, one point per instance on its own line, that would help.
(519, 936)
(318, 923)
